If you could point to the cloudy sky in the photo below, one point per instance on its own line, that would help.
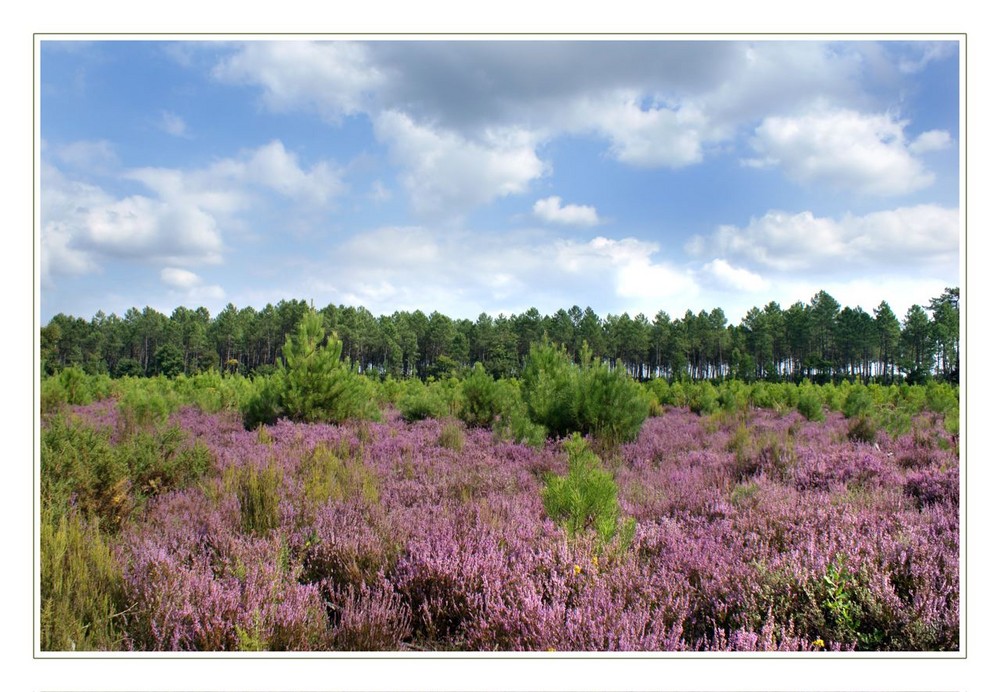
(494, 176)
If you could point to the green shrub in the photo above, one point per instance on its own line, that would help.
(77, 461)
(82, 588)
(423, 401)
(704, 399)
(452, 436)
(480, 405)
(862, 429)
(514, 423)
(312, 384)
(857, 402)
(551, 388)
(258, 491)
(660, 390)
(810, 404)
(612, 406)
(586, 499)
(941, 398)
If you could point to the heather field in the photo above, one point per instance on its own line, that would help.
(746, 529)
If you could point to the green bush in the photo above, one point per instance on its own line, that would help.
(612, 405)
(862, 429)
(480, 404)
(312, 384)
(592, 398)
(514, 423)
(258, 492)
(857, 402)
(551, 389)
(586, 499)
(78, 462)
(423, 401)
(810, 404)
(82, 588)
(704, 399)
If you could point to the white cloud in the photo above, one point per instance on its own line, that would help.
(907, 237)
(189, 288)
(844, 149)
(462, 273)
(636, 277)
(272, 166)
(141, 227)
(179, 278)
(88, 156)
(552, 210)
(446, 174)
(667, 135)
(932, 140)
(173, 124)
(926, 53)
(180, 222)
(726, 275)
(333, 78)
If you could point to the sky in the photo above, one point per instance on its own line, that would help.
(471, 176)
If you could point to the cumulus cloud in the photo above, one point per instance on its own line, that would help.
(447, 174)
(552, 210)
(667, 135)
(332, 78)
(173, 124)
(141, 227)
(725, 275)
(922, 235)
(180, 221)
(463, 273)
(932, 140)
(89, 156)
(442, 106)
(179, 278)
(864, 153)
(189, 287)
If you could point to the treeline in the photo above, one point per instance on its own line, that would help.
(820, 340)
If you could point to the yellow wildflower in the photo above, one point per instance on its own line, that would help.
(577, 569)
(819, 643)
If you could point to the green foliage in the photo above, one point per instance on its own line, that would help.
(659, 389)
(941, 398)
(452, 436)
(108, 481)
(480, 405)
(863, 429)
(82, 589)
(258, 490)
(329, 476)
(810, 403)
(423, 401)
(73, 387)
(551, 389)
(514, 423)
(592, 398)
(845, 602)
(263, 406)
(704, 399)
(79, 462)
(612, 406)
(312, 384)
(586, 499)
(857, 402)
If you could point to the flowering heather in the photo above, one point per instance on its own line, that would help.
(755, 531)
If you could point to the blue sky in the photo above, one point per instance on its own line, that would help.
(493, 176)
